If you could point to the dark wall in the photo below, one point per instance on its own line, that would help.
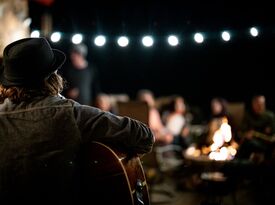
(235, 70)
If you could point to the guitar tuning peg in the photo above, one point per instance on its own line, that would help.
(139, 185)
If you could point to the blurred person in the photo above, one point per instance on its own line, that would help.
(177, 120)
(257, 129)
(103, 102)
(81, 76)
(218, 115)
(218, 108)
(42, 132)
(163, 136)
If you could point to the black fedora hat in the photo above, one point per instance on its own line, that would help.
(28, 61)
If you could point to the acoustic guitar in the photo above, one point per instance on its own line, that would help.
(113, 177)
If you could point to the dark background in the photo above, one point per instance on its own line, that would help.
(235, 70)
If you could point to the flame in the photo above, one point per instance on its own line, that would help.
(222, 148)
(219, 150)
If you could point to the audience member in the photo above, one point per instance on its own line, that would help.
(163, 136)
(218, 115)
(103, 102)
(257, 129)
(218, 108)
(177, 120)
(81, 76)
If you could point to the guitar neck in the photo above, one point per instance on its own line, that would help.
(269, 138)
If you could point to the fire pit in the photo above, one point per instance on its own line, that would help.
(221, 145)
(206, 163)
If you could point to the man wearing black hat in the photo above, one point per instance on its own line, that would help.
(41, 132)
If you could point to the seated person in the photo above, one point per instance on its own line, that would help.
(163, 136)
(257, 129)
(103, 102)
(218, 115)
(177, 120)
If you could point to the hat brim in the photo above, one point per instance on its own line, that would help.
(3, 80)
(59, 60)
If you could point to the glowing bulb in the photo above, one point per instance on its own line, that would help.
(123, 41)
(173, 40)
(254, 32)
(77, 38)
(147, 41)
(198, 37)
(226, 36)
(100, 40)
(55, 37)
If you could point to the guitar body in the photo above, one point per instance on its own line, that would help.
(111, 177)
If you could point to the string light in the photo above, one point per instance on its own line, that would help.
(55, 37)
(254, 31)
(123, 41)
(100, 40)
(198, 37)
(147, 41)
(35, 34)
(226, 36)
(77, 38)
(173, 40)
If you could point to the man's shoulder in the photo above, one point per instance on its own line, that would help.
(270, 114)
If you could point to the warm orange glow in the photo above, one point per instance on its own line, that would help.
(222, 148)
(219, 149)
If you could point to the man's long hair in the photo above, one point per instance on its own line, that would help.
(52, 86)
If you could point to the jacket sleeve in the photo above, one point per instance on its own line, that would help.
(95, 124)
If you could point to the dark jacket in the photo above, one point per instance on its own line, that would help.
(40, 142)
